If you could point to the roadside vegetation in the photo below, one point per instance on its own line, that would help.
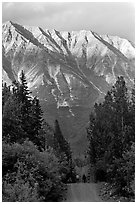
(36, 159)
(111, 136)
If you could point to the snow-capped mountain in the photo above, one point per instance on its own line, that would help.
(68, 71)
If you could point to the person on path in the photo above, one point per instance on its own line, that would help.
(84, 178)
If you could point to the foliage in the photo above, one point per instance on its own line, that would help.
(22, 115)
(26, 170)
(20, 190)
(111, 134)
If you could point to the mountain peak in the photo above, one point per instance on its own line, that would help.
(67, 71)
(8, 23)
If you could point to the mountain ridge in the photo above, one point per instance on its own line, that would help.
(68, 71)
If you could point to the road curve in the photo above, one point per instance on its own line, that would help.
(82, 192)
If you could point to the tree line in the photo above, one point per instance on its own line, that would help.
(36, 159)
(111, 136)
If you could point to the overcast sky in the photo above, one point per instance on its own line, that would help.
(104, 18)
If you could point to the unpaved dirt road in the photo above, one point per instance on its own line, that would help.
(82, 192)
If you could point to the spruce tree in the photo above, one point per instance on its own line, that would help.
(60, 144)
(63, 152)
(23, 91)
(37, 132)
(37, 115)
(23, 96)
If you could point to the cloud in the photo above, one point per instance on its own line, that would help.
(33, 10)
(111, 18)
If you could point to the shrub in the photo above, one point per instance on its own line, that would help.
(17, 189)
(26, 167)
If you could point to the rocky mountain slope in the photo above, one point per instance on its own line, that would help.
(68, 71)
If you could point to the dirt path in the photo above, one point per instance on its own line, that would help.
(82, 192)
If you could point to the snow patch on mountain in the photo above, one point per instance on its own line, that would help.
(68, 71)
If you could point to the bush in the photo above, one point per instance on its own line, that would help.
(29, 174)
(16, 189)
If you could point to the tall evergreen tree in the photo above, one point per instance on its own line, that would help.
(37, 132)
(60, 144)
(23, 91)
(23, 96)
(37, 115)
(63, 151)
